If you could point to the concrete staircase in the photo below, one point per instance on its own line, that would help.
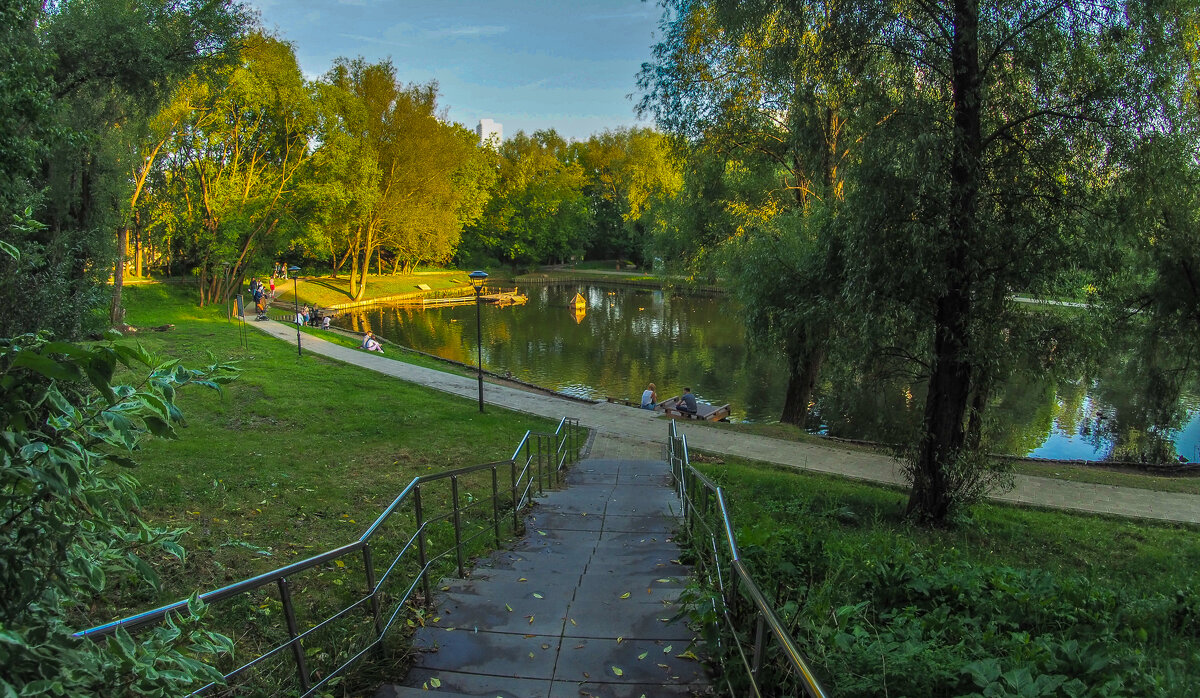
(583, 605)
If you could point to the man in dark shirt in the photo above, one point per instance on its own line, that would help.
(687, 403)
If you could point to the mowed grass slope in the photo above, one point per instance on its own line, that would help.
(298, 455)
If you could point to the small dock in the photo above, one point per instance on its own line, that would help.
(711, 413)
(501, 298)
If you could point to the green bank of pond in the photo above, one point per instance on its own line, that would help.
(1013, 602)
(630, 336)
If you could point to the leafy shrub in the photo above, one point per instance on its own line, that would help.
(69, 523)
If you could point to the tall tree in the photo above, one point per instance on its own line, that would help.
(84, 74)
(628, 171)
(765, 85)
(237, 161)
(422, 200)
(538, 212)
(1011, 123)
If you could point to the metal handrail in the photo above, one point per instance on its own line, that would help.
(687, 479)
(536, 448)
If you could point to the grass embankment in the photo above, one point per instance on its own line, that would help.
(298, 456)
(1078, 605)
(1096, 474)
(325, 291)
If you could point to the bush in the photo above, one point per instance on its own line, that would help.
(69, 522)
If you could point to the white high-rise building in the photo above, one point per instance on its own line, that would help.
(487, 129)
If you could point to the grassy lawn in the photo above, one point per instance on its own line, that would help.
(298, 456)
(1100, 606)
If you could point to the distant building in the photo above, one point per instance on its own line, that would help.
(487, 130)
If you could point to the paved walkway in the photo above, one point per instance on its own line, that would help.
(607, 418)
(583, 605)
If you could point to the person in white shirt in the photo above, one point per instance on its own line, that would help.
(649, 397)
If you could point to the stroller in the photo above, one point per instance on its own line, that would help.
(260, 307)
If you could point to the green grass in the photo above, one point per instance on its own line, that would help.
(1010, 587)
(299, 455)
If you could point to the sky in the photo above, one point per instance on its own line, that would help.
(570, 65)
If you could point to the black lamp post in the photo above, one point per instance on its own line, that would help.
(295, 288)
(477, 278)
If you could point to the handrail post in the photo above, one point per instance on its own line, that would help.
(760, 628)
(289, 614)
(496, 503)
(513, 479)
(421, 555)
(369, 566)
(458, 553)
(540, 440)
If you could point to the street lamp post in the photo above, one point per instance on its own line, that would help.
(477, 278)
(295, 292)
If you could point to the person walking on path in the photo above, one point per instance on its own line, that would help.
(649, 397)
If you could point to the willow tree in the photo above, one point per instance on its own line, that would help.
(1012, 122)
(766, 86)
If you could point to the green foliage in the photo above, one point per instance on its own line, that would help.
(538, 213)
(1015, 603)
(80, 78)
(69, 517)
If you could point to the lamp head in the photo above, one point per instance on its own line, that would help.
(477, 278)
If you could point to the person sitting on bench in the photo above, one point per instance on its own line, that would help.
(687, 403)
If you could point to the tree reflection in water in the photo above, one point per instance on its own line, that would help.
(1130, 403)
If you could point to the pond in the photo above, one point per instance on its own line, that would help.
(630, 336)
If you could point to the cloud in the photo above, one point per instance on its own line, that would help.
(372, 40)
(470, 31)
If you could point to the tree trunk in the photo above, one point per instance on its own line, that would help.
(943, 436)
(137, 244)
(116, 315)
(803, 369)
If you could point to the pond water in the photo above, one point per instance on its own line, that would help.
(629, 336)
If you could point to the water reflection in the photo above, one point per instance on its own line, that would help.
(627, 337)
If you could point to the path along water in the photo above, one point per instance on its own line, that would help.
(1121, 405)
(644, 425)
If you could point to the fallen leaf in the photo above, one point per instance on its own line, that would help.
(667, 649)
(508, 607)
(664, 580)
(573, 622)
(435, 682)
(522, 579)
(617, 671)
(620, 640)
(541, 533)
(531, 655)
(538, 596)
(530, 617)
(642, 655)
(625, 595)
(687, 655)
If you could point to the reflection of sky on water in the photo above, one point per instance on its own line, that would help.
(1084, 442)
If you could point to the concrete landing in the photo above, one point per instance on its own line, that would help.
(583, 605)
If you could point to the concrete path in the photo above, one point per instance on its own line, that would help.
(607, 418)
(583, 605)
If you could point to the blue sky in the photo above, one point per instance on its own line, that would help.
(570, 65)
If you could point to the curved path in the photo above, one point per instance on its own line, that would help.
(643, 425)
